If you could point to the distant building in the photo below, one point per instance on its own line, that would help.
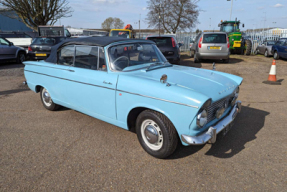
(9, 24)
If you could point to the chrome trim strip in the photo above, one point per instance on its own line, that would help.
(159, 99)
(117, 90)
(210, 134)
(48, 67)
(71, 80)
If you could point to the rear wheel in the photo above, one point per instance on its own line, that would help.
(47, 100)
(248, 46)
(276, 55)
(156, 134)
(195, 60)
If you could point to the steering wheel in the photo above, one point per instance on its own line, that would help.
(117, 67)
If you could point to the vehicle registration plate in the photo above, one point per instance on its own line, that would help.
(41, 54)
(226, 129)
(214, 48)
(237, 44)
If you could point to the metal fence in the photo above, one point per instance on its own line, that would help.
(256, 37)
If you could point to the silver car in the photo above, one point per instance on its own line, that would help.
(211, 45)
(265, 48)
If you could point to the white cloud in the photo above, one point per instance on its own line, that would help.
(241, 9)
(278, 5)
(144, 8)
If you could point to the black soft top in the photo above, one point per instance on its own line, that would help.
(91, 41)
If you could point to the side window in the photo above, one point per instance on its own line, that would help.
(3, 42)
(66, 55)
(86, 57)
(102, 61)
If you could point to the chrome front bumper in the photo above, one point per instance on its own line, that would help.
(210, 134)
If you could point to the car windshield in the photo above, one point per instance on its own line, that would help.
(214, 38)
(47, 40)
(124, 34)
(134, 56)
(271, 42)
(161, 41)
(229, 27)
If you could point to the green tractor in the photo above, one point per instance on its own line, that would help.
(239, 43)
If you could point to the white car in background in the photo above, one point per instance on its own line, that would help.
(18, 39)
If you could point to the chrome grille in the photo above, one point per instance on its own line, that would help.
(215, 106)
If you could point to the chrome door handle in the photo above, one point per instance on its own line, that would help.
(107, 83)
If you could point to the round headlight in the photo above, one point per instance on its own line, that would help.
(201, 118)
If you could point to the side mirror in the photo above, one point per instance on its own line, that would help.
(180, 44)
(10, 43)
(243, 25)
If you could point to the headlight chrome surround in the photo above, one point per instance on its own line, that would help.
(236, 93)
(201, 118)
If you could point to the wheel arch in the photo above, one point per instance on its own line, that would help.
(134, 113)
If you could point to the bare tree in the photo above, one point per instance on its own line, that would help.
(118, 23)
(172, 15)
(37, 12)
(108, 23)
(112, 23)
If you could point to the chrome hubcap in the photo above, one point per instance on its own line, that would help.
(151, 134)
(46, 98)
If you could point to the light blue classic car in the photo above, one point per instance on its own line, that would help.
(129, 83)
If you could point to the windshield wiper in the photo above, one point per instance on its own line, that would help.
(155, 64)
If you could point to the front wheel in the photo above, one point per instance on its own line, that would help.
(156, 134)
(248, 47)
(21, 57)
(266, 53)
(47, 100)
(276, 55)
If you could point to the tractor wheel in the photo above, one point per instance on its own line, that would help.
(248, 47)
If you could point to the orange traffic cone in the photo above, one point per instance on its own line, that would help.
(272, 75)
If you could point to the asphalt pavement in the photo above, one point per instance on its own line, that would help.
(66, 150)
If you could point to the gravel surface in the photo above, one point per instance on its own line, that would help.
(66, 150)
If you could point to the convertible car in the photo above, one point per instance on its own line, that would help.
(129, 83)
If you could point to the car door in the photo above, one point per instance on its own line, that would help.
(284, 50)
(280, 47)
(92, 88)
(7, 51)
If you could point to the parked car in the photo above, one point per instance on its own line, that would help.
(211, 45)
(10, 52)
(191, 42)
(137, 89)
(169, 47)
(279, 50)
(19, 39)
(265, 48)
(40, 47)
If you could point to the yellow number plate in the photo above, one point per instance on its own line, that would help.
(237, 44)
(214, 47)
(41, 54)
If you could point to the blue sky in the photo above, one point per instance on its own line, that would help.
(91, 13)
